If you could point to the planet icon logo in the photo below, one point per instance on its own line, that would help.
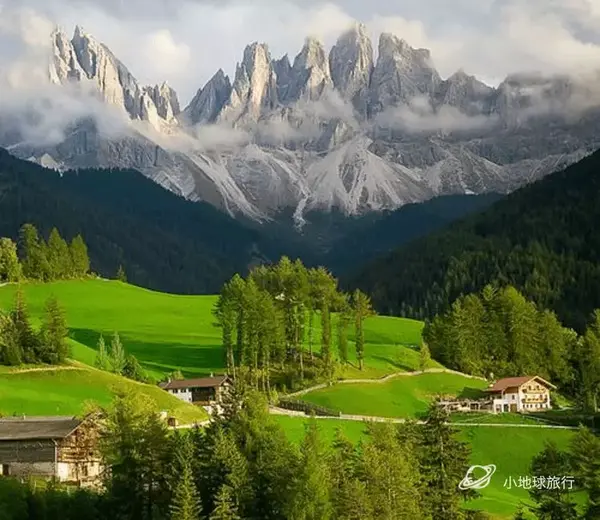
(478, 477)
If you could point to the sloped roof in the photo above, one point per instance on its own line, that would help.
(511, 382)
(37, 428)
(205, 382)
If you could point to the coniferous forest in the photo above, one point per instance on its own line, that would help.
(269, 318)
(542, 240)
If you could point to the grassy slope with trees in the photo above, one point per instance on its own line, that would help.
(511, 449)
(541, 239)
(173, 332)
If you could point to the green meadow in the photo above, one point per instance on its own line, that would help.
(70, 390)
(510, 449)
(399, 397)
(171, 332)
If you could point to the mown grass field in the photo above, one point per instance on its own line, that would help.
(399, 397)
(69, 390)
(170, 332)
(510, 449)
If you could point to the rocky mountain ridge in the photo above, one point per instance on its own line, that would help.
(327, 131)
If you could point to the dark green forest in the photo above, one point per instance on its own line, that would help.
(163, 241)
(542, 239)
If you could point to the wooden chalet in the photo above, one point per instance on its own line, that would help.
(63, 448)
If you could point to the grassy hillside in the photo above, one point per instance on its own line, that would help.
(399, 397)
(68, 390)
(169, 332)
(510, 449)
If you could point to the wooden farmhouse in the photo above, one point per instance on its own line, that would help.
(520, 394)
(207, 391)
(64, 448)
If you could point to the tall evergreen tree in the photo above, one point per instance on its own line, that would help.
(589, 364)
(343, 323)
(185, 504)
(444, 461)
(11, 352)
(26, 337)
(117, 354)
(59, 256)
(225, 508)
(552, 504)
(102, 359)
(35, 261)
(311, 498)
(362, 309)
(80, 260)
(424, 357)
(10, 267)
(54, 333)
(585, 461)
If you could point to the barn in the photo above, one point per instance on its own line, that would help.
(64, 448)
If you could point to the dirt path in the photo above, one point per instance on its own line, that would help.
(385, 379)
(43, 369)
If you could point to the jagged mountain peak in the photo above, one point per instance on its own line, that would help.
(208, 102)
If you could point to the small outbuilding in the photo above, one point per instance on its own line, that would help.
(63, 448)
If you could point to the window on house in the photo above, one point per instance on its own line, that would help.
(4, 470)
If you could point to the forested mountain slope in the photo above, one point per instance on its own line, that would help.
(164, 241)
(543, 239)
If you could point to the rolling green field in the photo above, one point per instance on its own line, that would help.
(510, 449)
(399, 397)
(169, 332)
(68, 390)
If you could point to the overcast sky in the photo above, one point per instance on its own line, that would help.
(187, 41)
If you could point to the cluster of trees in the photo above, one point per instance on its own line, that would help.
(269, 321)
(115, 360)
(580, 461)
(498, 333)
(41, 260)
(541, 239)
(244, 467)
(54, 259)
(21, 344)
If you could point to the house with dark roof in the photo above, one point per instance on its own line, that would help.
(63, 448)
(206, 391)
(520, 394)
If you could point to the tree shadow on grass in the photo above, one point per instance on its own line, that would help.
(189, 357)
(394, 363)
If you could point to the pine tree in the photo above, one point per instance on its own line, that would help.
(102, 360)
(552, 503)
(121, 276)
(444, 461)
(344, 319)
(27, 339)
(54, 333)
(424, 357)
(225, 508)
(589, 364)
(35, 262)
(362, 309)
(133, 370)
(10, 267)
(117, 355)
(585, 460)
(185, 504)
(80, 259)
(11, 353)
(59, 256)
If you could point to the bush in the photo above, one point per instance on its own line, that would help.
(308, 408)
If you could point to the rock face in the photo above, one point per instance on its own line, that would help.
(326, 131)
(351, 63)
(401, 74)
